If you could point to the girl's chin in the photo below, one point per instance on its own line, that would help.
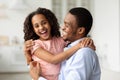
(45, 38)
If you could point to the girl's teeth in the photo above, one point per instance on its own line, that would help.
(43, 31)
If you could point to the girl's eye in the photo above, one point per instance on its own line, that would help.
(35, 26)
(44, 23)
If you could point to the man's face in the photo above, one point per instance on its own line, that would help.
(69, 30)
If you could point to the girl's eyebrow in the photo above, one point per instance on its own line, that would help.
(44, 20)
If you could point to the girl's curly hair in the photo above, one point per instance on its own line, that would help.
(28, 27)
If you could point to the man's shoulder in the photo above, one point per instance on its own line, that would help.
(85, 51)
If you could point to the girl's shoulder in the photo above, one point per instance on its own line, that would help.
(38, 41)
(58, 39)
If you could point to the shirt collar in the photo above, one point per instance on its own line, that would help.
(75, 42)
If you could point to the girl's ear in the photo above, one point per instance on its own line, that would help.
(81, 30)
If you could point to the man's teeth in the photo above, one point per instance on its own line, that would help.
(64, 33)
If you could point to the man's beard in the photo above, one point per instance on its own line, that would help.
(73, 34)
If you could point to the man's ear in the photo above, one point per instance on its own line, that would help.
(81, 30)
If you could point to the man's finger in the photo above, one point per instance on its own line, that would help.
(31, 65)
(38, 65)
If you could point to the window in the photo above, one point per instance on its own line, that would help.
(61, 7)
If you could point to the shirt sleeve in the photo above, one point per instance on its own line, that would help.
(37, 44)
(42, 78)
(63, 43)
(82, 65)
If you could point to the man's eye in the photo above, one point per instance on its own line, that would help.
(67, 25)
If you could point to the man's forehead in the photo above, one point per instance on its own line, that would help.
(70, 17)
(67, 18)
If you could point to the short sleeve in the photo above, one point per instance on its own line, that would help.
(37, 44)
(63, 42)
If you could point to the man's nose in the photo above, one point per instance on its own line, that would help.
(62, 28)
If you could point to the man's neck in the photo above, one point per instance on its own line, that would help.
(80, 37)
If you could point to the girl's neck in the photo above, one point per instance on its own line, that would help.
(46, 39)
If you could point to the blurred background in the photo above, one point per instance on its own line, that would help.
(105, 33)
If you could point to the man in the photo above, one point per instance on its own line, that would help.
(84, 64)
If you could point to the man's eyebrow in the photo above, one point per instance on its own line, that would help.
(67, 22)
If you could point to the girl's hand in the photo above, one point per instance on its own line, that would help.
(27, 47)
(87, 42)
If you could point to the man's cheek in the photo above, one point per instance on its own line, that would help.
(64, 37)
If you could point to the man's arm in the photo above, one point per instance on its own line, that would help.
(35, 70)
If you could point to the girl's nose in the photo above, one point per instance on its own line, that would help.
(40, 27)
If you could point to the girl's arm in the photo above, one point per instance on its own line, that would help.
(27, 47)
(55, 59)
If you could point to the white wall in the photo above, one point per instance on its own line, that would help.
(106, 32)
(12, 61)
(11, 56)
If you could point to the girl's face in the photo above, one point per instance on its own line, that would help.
(41, 26)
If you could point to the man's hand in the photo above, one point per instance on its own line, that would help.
(35, 70)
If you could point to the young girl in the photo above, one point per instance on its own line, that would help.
(42, 26)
